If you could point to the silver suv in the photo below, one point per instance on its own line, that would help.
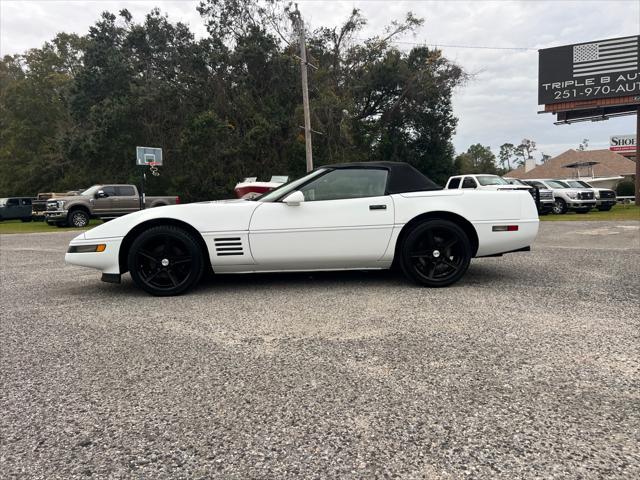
(566, 198)
(605, 198)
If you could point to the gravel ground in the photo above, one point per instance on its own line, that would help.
(528, 368)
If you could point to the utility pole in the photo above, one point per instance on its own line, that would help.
(305, 94)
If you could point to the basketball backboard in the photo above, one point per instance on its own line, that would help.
(148, 156)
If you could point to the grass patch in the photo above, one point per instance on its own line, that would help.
(617, 213)
(17, 226)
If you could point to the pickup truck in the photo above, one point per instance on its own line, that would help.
(566, 198)
(605, 197)
(39, 204)
(543, 198)
(99, 201)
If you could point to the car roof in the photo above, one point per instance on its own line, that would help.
(403, 178)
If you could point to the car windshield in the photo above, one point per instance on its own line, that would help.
(485, 180)
(288, 187)
(91, 190)
(516, 181)
(556, 184)
(575, 184)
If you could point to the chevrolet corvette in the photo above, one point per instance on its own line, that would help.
(355, 216)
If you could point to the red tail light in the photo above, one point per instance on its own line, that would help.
(505, 228)
(177, 200)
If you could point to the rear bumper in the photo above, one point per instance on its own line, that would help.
(494, 243)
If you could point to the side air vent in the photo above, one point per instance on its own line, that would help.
(228, 246)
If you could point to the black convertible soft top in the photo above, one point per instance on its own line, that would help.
(403, 177)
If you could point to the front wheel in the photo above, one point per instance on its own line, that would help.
(165, 261)
(78, 218)
(435, 253)
(559, 206)
(605, 208)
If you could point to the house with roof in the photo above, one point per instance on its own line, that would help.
(602, 168)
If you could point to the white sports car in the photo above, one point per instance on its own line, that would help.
(351, 216)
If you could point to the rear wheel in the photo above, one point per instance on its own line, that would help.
(559, 206)
(165, 261)
(435, 253)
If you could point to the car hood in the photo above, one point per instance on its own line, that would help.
(214, 216)
(68, 198)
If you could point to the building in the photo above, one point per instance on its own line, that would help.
(602, 167)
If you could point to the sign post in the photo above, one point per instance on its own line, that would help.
(151, 157)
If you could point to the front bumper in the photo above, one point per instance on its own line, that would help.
(106, 261)
(54, 215)
(605, 202)
(581, 204)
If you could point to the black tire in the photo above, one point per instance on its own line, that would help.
(25, 220)
(560, 206)
(605, 208)
(583, 210)
(435, 253)
(78, 218)
(165, 261)
(61, 224)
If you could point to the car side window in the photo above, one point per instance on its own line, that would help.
(25, 201)
(109, 190)
(125, 191)
(12, 202)
(469, 182)
(346, 183)
(454, 183)
(536, 184)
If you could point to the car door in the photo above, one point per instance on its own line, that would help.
(345, 221)
(104, 205)
(126, 199)
(12, 209)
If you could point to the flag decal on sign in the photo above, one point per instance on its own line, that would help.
(608, 56)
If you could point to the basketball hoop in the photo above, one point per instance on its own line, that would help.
(153, 168)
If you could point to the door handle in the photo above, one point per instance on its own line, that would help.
(377, 207)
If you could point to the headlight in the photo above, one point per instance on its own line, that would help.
(60, 204)
(597, 193)
(572, 195)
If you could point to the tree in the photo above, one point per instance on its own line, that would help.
(507, 152)
(525, 150)
(222, 107)
(583, 146)
(477, 159)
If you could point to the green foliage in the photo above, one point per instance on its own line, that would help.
(477, 159)
(626, 188)
(223, 107)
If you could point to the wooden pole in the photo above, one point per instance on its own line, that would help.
(305, 96)
(638, 156)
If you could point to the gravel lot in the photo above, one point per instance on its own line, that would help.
(528, 368)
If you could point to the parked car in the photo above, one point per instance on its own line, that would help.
(100, 201)
(546, 202)
(39, 204)
(605, 198)
(250, 187)
(566, 198)
(495, 182)
(337, 217)
(15, 208)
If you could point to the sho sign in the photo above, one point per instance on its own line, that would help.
(586, 71)
(622, 143)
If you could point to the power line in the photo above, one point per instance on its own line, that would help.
(481, 47)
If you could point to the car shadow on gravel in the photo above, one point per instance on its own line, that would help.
(476, 275)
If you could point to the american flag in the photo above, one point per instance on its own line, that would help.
(608, 56)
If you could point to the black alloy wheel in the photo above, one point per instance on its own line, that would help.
(436, 253)
(559, 206)
(165, 261)
(78, 218)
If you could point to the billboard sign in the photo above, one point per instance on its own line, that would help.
(586, 71)
(622, 143)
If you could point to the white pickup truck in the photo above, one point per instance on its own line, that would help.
(496, 182)
(565, 197)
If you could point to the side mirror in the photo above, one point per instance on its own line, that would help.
(294, 199)
(101, 194)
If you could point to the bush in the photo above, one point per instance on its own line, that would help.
(626, 188)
